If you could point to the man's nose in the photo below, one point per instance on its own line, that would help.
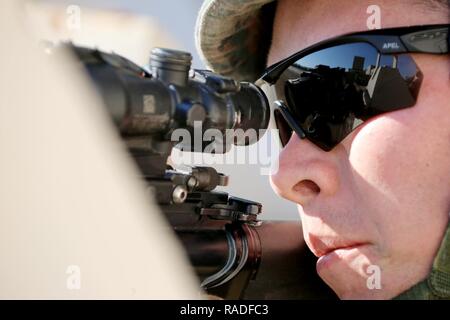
(305, 171)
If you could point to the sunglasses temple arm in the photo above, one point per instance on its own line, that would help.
(289, 118)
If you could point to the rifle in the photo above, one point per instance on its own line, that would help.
(234, 254)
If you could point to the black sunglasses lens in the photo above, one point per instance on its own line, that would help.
(332, 91)
(284, 130)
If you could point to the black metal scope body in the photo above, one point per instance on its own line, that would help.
(168, 96)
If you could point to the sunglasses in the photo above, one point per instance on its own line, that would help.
(327, 90)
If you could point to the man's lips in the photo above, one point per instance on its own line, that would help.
(348, 247)
(321, 246)
(344, 254)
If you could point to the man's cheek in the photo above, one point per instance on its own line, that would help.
(381, 152)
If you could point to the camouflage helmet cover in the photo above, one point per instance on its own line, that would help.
(233, 36)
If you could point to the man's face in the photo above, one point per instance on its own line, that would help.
(382, 196)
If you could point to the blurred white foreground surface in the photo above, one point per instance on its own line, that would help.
(75, 221)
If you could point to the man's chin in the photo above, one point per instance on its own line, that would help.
(353, 273)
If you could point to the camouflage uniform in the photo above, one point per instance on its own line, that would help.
(437, 284)
(233, 38)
